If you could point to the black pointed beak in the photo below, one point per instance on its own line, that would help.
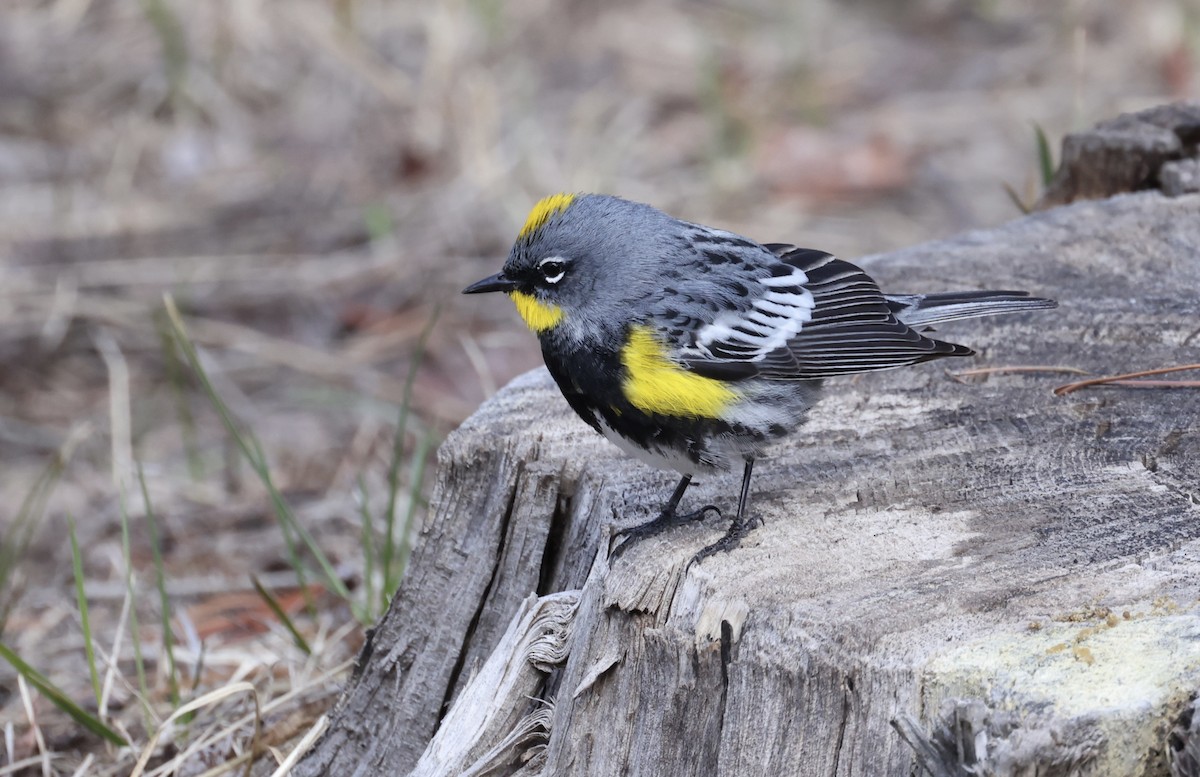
(495, 282)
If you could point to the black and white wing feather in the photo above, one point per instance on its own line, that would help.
(814, 316)
(853, 327)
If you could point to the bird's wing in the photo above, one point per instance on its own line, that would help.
(813, 316)
(731, 313)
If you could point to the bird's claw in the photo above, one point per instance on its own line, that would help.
(666, 519)
(737, 531)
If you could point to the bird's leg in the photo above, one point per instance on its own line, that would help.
(667, 518)
(741, 525)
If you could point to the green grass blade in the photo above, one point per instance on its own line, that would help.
(60, 699)
(174, 45)
(183, 411)
(387, 559)
(371, 548)
(416, 476)
(81, 598)
(283, 617)
(16, 540)
(253, 454)
(1045, 155)
(378, 221)
(160, 579)
(135, 629)
(198, 667)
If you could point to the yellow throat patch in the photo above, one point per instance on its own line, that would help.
(541, 213)
(655, 384)
(539, 316)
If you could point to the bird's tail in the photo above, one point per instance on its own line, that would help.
(927, 309)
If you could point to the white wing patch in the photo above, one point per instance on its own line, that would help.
(774, 318)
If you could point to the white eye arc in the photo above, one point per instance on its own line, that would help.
(553, 268)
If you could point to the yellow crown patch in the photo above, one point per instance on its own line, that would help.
(541, 213)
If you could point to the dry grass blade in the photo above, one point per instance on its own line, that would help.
(1129, 379)
(245, 759)
(27, 702)
(302, 747)
(1016, 199)
(391, 83)
(206, 700)
(18, 767)
(208, 739)
(110, 674)
(119, 403)
(85, 766)
(348, 368)
(310, 361)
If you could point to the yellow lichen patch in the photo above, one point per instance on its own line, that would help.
(1164, 605)
(655, 384)
(541, 213)
(1086, 614)
(539, 316)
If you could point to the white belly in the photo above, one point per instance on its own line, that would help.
(660, 458)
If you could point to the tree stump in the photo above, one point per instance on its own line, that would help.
(1151, 149)
(952, 571)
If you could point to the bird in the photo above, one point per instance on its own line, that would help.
(693, 348)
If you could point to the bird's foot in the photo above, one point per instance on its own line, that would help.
(665, 520)
(737, 531)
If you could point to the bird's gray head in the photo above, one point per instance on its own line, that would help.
(580, 260)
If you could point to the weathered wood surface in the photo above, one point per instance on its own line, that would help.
(492, 725)
(981, 553)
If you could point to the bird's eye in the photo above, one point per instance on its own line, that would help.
(552, 269)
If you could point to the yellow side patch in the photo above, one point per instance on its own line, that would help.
(541, 213)
(539, 316)
(655, 384)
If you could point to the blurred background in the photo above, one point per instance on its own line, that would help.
(313, 181)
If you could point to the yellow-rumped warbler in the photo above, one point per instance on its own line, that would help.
(692, 348)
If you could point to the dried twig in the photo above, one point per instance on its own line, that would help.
(1023, 368)
(1127, 379)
